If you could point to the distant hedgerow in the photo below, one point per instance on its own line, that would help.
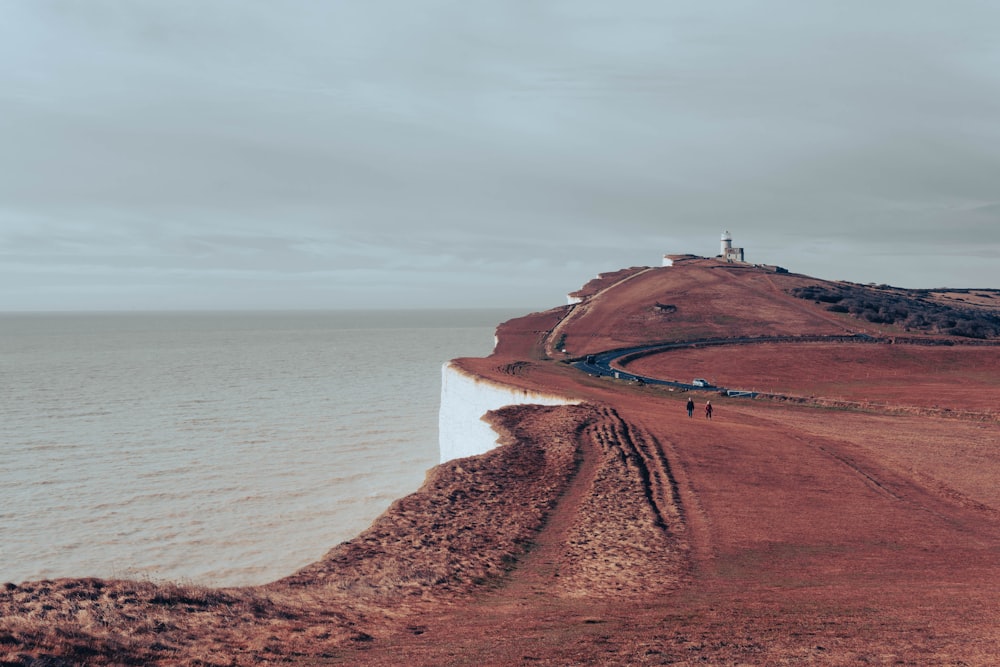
(911, 311)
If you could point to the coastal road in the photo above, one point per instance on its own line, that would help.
(611, 363)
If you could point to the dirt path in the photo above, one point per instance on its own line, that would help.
(578, 310)
(615, 537)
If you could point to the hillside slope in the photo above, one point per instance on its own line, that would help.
(621, 531)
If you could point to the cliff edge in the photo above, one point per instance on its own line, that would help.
(848, 515)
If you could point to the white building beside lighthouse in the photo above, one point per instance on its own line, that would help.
(727, 251)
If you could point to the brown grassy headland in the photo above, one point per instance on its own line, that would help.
(620, 531)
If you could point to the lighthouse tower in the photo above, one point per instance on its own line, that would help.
(727, 251)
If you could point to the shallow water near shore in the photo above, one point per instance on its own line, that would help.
(215, 448)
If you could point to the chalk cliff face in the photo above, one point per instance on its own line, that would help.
(465, 399)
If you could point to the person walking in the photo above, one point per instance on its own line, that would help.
(690, 407)
(708, 409)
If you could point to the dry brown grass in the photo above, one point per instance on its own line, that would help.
(461, 532)
(620, 531)
(957, 379)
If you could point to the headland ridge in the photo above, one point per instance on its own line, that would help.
(858, 526)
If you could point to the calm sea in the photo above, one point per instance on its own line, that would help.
(223, 449)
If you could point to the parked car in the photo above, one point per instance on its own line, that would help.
(700, 382)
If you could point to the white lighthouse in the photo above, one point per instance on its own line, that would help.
(727, 251)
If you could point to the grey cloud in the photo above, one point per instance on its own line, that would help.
(476, 149)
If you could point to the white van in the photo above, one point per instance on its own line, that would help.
(700, 382)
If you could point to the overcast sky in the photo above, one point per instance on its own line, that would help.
(159, 154)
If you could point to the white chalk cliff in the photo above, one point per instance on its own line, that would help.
(465, 399)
